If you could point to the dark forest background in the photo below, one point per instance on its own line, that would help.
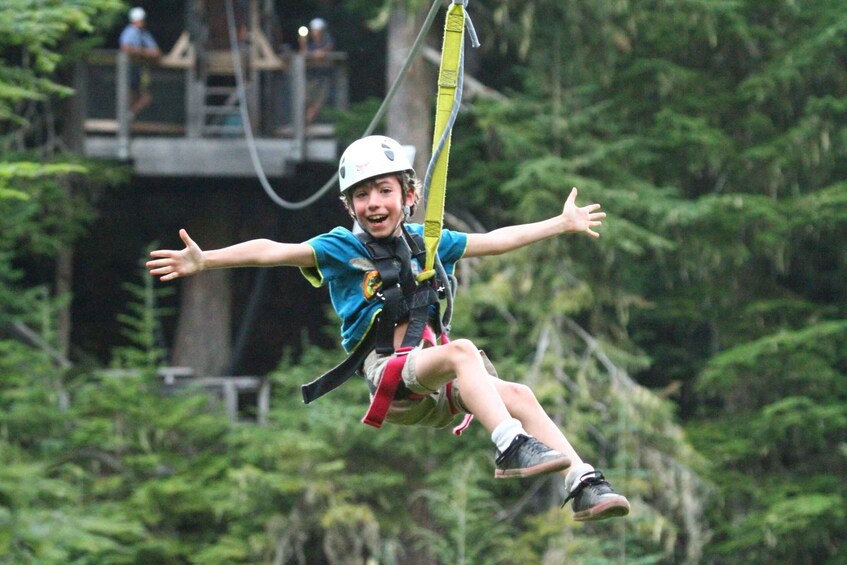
(695, 353)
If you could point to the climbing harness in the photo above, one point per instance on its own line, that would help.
(402, 298)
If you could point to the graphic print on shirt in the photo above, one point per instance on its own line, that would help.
(371, 283)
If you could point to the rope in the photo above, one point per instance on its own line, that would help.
(450, 89)
(245, 116)
(248, 128)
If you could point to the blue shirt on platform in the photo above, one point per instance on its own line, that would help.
(343, 262)
(133, 36)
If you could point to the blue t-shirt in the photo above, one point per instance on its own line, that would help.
(326, 43)
(343, 262)
(133, 36)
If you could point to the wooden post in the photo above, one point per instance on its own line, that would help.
(231, 400)
(298, 107)
(122, 105)
(342, 84)
(264, 401)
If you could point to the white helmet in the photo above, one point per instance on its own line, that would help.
(137, 14)
(370, 157)
(317, 23)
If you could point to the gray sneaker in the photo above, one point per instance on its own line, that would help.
(595, 499)
(525, 457)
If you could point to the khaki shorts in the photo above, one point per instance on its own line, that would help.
(431, 408)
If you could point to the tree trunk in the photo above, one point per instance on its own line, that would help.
(204, 328)
(64, 287)
(409, 114)
(72, 114)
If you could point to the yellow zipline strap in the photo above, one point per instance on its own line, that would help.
(448, 77)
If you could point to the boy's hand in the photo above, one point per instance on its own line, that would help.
(582, 218)
(170, 264)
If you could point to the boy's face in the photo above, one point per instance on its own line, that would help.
(378, 205)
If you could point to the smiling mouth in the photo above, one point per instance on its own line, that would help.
(377, 220)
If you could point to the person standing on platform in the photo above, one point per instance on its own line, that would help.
(316, 43)
(143, 50)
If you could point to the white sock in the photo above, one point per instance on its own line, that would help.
(575, 473)
(505, 432)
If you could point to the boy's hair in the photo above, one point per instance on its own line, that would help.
(408, 182)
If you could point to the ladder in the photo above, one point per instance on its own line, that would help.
(220, 110)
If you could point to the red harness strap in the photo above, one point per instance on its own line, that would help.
(386, 389)
(466, 420)
(390, 381)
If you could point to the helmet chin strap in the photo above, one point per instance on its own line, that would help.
(399, 226)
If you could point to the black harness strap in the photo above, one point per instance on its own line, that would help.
(402, 298)
(388, 257)
(342, 372)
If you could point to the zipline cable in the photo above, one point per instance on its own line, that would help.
(245, 116)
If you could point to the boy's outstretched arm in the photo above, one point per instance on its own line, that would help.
(168, 264)
(573, 219)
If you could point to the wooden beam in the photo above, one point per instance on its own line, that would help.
(182, 55)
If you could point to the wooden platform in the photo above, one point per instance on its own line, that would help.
(139, 127)
(210, 157)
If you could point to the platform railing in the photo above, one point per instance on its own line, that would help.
(279, 98)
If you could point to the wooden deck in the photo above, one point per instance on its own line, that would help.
(210, 157)
(96, 126)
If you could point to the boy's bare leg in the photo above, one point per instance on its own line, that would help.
(460, 359)
(593, 497)
(521, 403)
(518, 454)
(494, 401)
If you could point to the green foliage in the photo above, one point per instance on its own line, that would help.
(712, 133)
(41, 210)
(467, 513)
(142, 325)
(28, 170)
(351, 124)
(45, 210)
(44, 205)
(38, 30)
(807, 361)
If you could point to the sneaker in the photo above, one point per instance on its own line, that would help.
(525, 457)
(595, 499)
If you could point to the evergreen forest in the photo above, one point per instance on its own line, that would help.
(696, 352)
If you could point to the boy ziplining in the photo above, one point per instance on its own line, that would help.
(415, 378)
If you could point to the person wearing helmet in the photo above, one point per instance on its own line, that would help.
(370, 159)
(143, 49)
(435, 380)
